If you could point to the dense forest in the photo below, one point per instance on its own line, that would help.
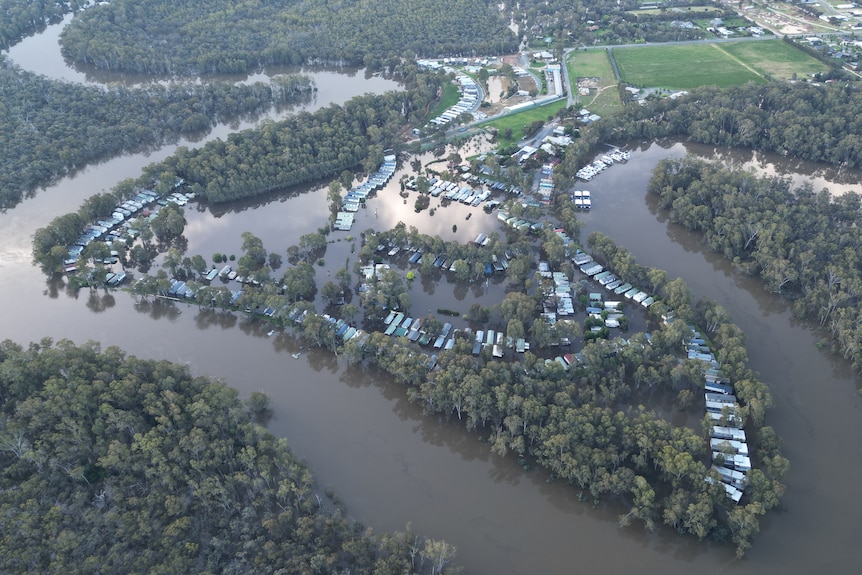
(804, 245)
(306, 147)
(193, 37)
(112, 464)
(19, 18)
(49, 129)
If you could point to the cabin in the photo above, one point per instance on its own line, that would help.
(718, 388)
(717, 444)
(733, 433)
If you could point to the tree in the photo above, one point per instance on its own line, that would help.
(332, 291)
(515, 329)
(543, 333)
(172, 261)
(199, 264)
(439, 554)
(518, 306)
(275, 260)
(312, 245)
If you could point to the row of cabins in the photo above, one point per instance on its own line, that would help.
(497, 341)
(497, 264)
(727, 441)
(546, 184)
(399, 325)
(342, 329)
(357, 196)
(609, 281)
(593, 169)
(517, 223)
(454, 192)
(228, 273)
(466, 103)
(118, 226)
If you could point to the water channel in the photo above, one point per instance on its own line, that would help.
(391, 464)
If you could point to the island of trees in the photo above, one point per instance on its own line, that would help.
(113, 464)
(51, 129)
(803, 245)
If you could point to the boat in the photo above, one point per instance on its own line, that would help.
(296, 355)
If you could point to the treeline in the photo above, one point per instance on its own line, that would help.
(589, 22)
(49, 129)
(804, 245)
(113, 464)
(303, 148)
(219, 36)
(23, 17)
(586, 426)
(817, 123)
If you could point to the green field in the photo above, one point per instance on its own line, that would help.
(682, 67)
(725, 64)
(448, 99)
(518, 120)
(595, 64)
(775, 58)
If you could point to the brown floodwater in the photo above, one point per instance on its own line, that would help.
(392, 464)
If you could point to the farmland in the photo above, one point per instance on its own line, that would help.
(683, 67)
(724, 64)
(775, 58)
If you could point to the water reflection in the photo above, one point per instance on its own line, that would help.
(158, 309)
(99, 302)
(207, 318)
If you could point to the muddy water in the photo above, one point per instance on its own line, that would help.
(391, 464)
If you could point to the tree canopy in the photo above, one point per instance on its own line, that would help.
(193, 37)
(113, 464)
(49, 129)
(303, 148)
(803, 245)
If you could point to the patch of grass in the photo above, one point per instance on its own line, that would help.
(775, 58)
(518, 120)
(448, 99)
(595, 64)
(683, 67)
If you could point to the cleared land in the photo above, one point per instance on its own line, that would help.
(595, 64)
(683, 67)
(775, 58)
(518, 120)
(689, 66)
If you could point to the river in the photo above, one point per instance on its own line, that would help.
(392, 464)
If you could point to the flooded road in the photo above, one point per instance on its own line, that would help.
(392, 464)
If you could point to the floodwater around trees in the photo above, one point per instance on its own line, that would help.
(391, 464)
